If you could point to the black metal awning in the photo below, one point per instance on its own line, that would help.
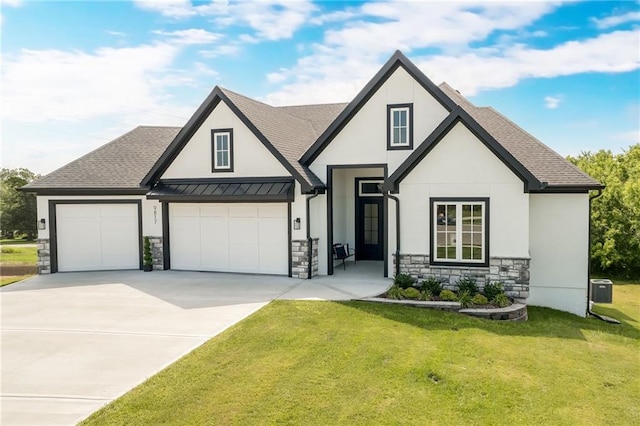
(224, 190)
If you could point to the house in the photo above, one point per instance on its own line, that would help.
(411, 174)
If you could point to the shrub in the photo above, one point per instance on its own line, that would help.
(491, 290)
(411, 293)
(147, 259)
(394, 292)
(403, 281)
(468, 285)
(465, 300)
(479, 299)
(425, 296)
(501, 300)
(448, 296)
(431, 286)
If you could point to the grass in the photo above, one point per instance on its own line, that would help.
(16, 255)
(304, 362)
(12, 279)
(14, 241)
(13, 260)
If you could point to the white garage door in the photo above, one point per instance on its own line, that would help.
(229, 237)
(93, 237)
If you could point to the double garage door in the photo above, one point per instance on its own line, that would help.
(249, 238)
(93, 237)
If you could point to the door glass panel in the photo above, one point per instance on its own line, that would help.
(370, 224)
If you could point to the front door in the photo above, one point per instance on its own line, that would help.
(369, 220)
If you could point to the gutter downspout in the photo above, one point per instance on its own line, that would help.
(397, 263)
(589, 311)
(309, 239)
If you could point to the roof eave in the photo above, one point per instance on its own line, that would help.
(84, 191)
(568, 189)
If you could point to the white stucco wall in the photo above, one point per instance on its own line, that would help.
(559, 233)
(151, 224)
(364, 139)
(250, 156)
(460, 165)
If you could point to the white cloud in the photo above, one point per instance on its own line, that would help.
(353, 52)
(631, 137)
(270, 19)
(220, 50)
(277, 77)
(485, 69)
(190, 36)
(43, 85)
(13, 3)
(116, 33)
(170, 8)
(615, 20)
(552, 102)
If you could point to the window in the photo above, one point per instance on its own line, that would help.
(459, 231)
(222, 150)
(369, 188)
(400, 126)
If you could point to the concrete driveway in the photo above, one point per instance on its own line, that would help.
(72, 342)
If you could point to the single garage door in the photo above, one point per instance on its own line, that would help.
(93, 237)
(249, 238)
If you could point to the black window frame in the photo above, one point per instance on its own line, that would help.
(390, 108)
(432, 231)
(215, 169)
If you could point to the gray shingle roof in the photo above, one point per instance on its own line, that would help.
(291, 130)
(121, 163)
(124, 162)
(544, 163)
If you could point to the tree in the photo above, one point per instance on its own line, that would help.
(18, 210)
(615, 232)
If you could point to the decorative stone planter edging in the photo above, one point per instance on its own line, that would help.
(515, 312)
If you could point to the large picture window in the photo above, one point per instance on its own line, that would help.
(459, 231)
(222, 150)
(400, 126)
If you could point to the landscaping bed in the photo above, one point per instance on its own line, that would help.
(490, 302)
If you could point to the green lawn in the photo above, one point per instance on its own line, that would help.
(12, 241)
(12, 279)
(17, 255)
(304, 362)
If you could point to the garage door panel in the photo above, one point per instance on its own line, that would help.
(215, 243)
(187, 238)
(243, 210)
(233, 238)
(97, 237)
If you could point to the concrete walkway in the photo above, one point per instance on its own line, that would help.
(72, 342)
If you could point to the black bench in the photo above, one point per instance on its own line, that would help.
(343, 252)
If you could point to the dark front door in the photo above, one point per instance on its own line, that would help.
(369, 229)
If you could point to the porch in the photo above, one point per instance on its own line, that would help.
(359, 280)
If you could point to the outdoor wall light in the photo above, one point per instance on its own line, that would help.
(296, 223)
(42, 224)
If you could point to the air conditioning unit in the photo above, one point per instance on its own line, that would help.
(601, 290)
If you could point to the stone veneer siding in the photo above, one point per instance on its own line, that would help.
(44, 256)
(512, 272)
(157, 253)
(300, 259)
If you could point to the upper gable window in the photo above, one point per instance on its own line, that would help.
(222, 150)
(400, 126)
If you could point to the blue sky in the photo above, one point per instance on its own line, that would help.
(76, 74)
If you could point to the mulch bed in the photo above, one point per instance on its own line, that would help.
(16, 270)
